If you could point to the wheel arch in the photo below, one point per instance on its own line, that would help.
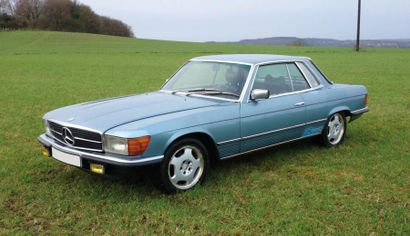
(203, 136)
(344, 109)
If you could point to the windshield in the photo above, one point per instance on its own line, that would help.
(210, 78)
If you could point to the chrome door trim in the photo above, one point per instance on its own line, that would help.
(269, 146)
(229, 141)
(246, 85)
(278, 62)
(270, 132)
(296, 92)
(222, 61)
(315, 121)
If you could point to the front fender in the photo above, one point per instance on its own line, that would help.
(183, 132)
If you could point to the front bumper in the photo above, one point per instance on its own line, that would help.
(87, 158)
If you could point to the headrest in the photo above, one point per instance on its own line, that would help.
(268, 77)
(234, 77)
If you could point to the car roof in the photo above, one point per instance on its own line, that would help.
(249, 58)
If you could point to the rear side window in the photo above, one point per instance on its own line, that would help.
(319, 72)
(314, 82)
(298, 80)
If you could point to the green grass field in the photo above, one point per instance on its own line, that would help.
(361, 187)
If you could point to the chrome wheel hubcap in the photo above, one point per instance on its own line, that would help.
(186, 167)
(335, 129)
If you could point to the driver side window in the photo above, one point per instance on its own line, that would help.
(280, 78)
(274, 78)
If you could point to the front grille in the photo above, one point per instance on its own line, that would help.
(83, 139)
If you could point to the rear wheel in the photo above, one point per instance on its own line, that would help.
(334, 131)
(185, 164)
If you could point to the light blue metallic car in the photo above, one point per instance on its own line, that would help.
(213, 107)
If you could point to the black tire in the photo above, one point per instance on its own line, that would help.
(332, 141)
(199, 152)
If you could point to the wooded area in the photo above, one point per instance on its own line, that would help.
(58, 15)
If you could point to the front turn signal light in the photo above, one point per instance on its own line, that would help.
(137, 146)
(365, 100)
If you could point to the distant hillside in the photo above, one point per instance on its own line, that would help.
(318, 42)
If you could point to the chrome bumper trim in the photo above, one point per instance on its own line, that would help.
(360, 111)
(49, 141)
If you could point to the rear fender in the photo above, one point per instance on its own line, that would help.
(340, 109)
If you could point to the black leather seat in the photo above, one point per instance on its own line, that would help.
(277, 85)
(235, 79)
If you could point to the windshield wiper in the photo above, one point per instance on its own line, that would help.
(207, 91)
(201, 90)
(212, 92)
(194, 90)
(221, 93)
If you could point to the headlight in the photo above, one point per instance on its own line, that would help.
(126, 146)
(46, 127)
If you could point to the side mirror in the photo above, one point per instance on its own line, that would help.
(260, 94)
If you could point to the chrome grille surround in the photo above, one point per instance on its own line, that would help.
(84, 139)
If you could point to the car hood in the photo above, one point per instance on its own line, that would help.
(103, 115)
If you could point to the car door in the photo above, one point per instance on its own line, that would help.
(279, 118)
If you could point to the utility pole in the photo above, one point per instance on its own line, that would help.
(358, 25)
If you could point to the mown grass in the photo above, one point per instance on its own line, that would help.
(361, 187)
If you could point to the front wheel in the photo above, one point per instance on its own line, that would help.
(185, 164)
(334, 131)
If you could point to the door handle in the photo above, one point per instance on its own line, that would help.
(299, 104)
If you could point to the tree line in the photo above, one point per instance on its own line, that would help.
(58, 15)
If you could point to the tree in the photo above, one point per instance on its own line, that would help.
(90, 21)
(27, 13)
(7, 6)
(114, 27)
(59, 15)
(7, 22)
(56, 15)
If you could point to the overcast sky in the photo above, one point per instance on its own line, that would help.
(231, 20)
